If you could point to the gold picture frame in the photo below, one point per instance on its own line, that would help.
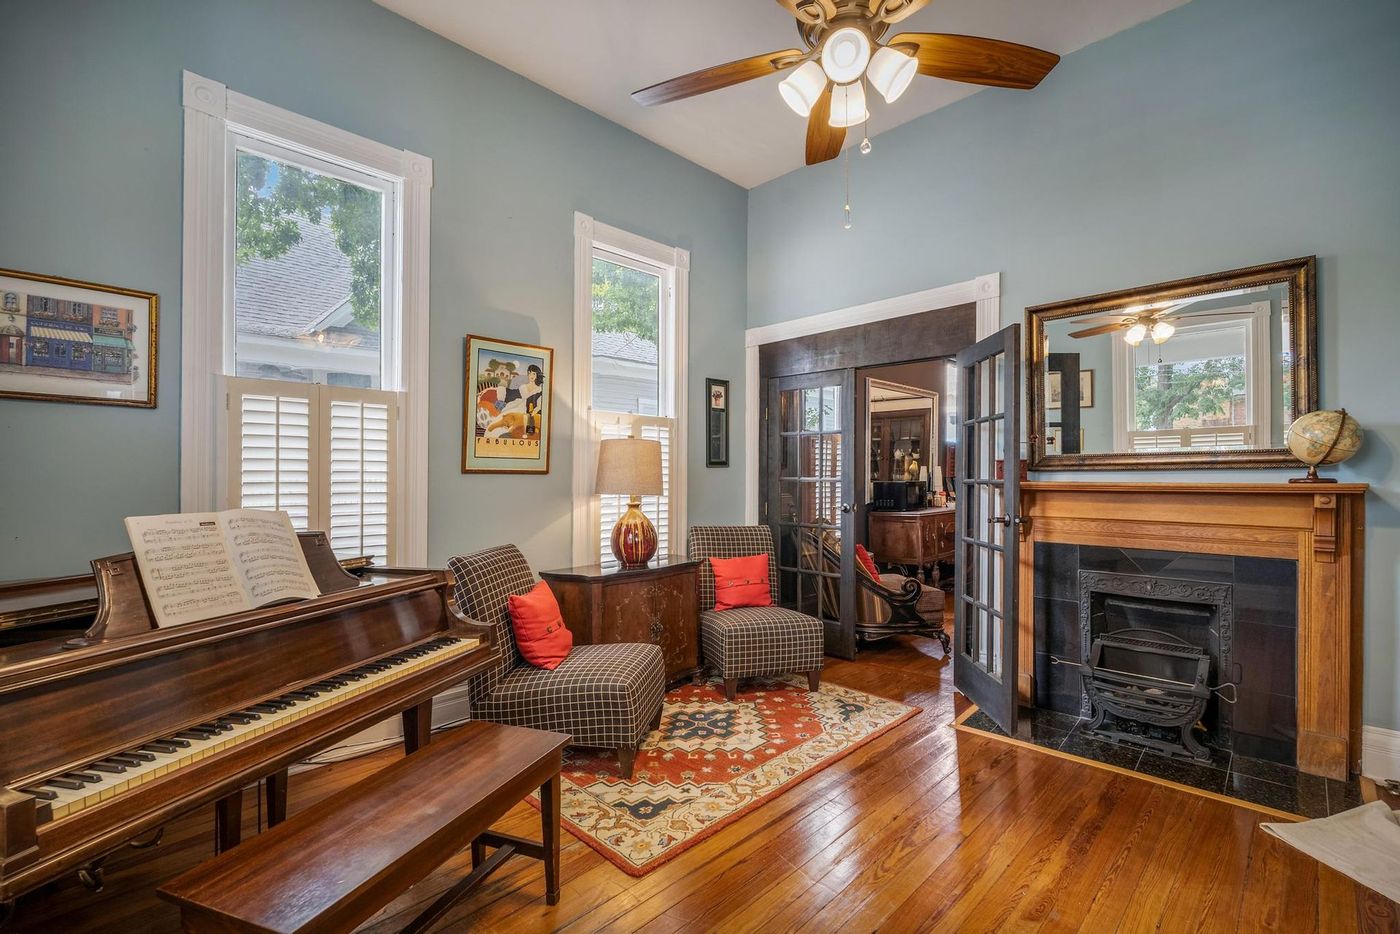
(67, 340)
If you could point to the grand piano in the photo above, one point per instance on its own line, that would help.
(110, 727)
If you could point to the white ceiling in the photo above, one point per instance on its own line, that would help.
(596, 52)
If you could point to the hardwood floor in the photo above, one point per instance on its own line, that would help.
(923, 829)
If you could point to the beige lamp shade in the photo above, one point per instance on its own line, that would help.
(629, 467)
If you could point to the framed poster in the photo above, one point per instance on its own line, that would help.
(64, 340)
(717, 423)
(506, 407)
(1086, 389)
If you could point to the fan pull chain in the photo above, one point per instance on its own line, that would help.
(846, 163)
(865, 146)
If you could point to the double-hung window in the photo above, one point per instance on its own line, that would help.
(306, 277)
(629, 373)
(1206, 388)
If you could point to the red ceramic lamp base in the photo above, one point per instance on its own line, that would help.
(634, 537)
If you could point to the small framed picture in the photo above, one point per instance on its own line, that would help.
(1086, 389)
(63, 340)
(506, 408)
(717, 423)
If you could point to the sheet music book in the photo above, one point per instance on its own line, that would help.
(198, 565)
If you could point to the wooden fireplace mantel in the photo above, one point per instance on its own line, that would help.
(1321, 526)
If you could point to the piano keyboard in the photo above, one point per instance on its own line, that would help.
(70, 792)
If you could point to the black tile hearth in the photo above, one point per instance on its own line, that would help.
(1306, 798)
(1251, 780)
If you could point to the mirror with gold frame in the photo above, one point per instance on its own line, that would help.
(1202, 372)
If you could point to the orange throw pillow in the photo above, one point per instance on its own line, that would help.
(866, 561)
(741, 582)
(543, 639)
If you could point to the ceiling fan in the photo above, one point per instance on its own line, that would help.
(843, 50)
(1142, 321)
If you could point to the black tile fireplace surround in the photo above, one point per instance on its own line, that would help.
(1241, 610)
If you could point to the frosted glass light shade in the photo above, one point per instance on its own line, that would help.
(890, 73)
(1135, 334)
(848, 105)
(845, 54)
(801, 89)
(1162, 330)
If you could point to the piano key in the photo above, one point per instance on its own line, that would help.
(88, 778)
(196, 743)
(42, 793)
(60, 782)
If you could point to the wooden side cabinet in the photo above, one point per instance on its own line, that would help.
(659, 604)
(919, 537)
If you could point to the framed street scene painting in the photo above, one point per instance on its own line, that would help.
(68, 341)
(506, 407)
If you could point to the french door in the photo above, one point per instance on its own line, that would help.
(988, 478)
(810, 498)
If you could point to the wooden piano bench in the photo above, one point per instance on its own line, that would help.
(336, 864)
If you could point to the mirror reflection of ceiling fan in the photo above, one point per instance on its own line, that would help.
(843, 51)
(1157, 320)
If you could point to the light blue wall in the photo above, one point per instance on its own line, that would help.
(1222, 134)
(90, 188)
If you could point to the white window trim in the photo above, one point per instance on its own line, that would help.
(589, 234)
(211, 112)
(1258, 361)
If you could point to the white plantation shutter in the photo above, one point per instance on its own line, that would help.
(657, 508)
(271, 442)
(324, 454)
(359, 440)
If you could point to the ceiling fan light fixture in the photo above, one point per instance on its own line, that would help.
(1161, 330)
(848, 105)
(891, 72)
(802, 88)
(1135, 334)
(845, 54)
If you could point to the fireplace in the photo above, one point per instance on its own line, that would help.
(1236, 614)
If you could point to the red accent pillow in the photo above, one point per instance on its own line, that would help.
(866, 561)
(543, 639)
(741, 582)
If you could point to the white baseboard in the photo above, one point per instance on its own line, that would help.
(449, 707)
(1380, 753)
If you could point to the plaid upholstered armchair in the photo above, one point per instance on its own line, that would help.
(754, 640)
(601, 695)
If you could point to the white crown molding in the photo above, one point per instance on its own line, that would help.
(1380, 753)
(983, 291)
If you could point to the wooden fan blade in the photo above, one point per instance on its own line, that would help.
(1105, 319)
(975, 60)
(720, 76)
(1206, 313)
(823, 140)
(1101, 329)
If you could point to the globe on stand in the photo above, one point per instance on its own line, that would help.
(1327, 437)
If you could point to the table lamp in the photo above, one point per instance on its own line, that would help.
(631, 467)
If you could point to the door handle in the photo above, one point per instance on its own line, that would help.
(1000, 520)
(847, 508)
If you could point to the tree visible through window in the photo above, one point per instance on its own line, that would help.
(1190, 394)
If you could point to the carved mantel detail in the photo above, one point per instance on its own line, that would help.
(1320, 528)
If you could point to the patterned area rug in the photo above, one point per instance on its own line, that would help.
(712, 762)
